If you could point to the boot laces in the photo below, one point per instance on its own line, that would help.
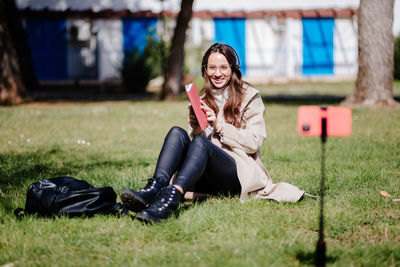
(165, 198)
(149, 186)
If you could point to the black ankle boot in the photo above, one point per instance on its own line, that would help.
(164, 205)
(137, 201)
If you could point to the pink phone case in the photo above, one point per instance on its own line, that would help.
(338, 121)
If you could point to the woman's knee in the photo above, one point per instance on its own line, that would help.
(200, 142)
(178, 132)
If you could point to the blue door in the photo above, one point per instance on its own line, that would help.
(318, 46)
(136, 31)
(47, 41)
(231, 31)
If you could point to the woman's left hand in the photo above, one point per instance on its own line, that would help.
(211, 117)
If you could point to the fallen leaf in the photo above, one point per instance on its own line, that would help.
(384, 193)
(396, 200)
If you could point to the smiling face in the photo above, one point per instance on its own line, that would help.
(218, 70)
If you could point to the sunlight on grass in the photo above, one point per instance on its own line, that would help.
(117, 143)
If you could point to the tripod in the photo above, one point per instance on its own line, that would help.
(320, 252)
(313, 121)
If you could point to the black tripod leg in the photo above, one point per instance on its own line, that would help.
(320, 252)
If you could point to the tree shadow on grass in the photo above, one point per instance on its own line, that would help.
(297, 100)
(303, 99)
(18, 170)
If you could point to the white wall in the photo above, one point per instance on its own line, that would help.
(200, 30)
(260, 46)
(174, 5)
(294, 41)
(110, 43)
(249, 5)
(133, 5)
(81, 55)
(396, 18)
(345, 47)
(273, 46)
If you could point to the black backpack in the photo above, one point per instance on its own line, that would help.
(69, 196)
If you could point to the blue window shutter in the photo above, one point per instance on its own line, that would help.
(136, 31)
(47, 41)
(318, 46)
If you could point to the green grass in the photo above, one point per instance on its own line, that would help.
(40, 141)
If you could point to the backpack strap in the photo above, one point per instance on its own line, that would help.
(19, 213)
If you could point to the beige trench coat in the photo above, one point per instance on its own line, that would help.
(244, 146)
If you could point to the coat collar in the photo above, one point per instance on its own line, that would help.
(250, 93)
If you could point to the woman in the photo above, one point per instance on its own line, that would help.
(223, 159)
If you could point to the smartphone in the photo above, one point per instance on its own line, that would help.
(311, 119)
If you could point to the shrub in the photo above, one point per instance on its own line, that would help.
(396, 71)
(138, 68)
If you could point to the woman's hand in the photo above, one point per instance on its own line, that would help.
(211, 117)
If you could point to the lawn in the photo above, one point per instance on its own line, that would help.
(116, 143)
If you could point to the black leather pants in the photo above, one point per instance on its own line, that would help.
(201, 166)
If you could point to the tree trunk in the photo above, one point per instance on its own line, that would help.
(12, 89)
(173, 74)
(18, 34)
(374, 85)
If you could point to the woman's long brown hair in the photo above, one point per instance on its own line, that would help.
(235, 87)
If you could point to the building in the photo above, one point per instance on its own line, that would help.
(276, 40)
